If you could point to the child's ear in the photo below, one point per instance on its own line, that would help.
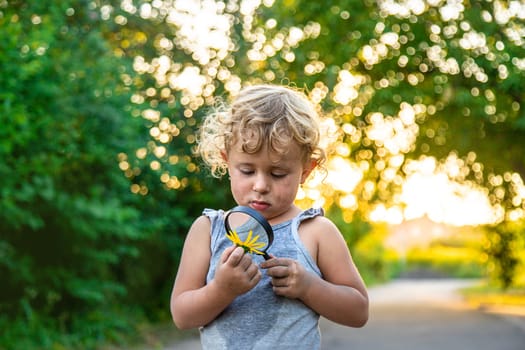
(224, 156)
(308, 168)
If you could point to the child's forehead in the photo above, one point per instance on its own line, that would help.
(291, 151)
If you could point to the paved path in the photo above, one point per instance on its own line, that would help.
(423, 315)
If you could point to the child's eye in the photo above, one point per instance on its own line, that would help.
(278, 175)
(246, 171)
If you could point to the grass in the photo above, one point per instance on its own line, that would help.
(487, 296)
(466, 261)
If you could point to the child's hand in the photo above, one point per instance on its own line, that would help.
(236, 273)
(289, 278)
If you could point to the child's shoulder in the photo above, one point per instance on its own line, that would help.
(201, 221)
(318, 222)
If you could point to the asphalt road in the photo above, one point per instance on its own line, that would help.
(420, 314)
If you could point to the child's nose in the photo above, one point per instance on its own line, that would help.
(261, 184)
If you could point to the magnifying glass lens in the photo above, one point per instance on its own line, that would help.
(248, 229)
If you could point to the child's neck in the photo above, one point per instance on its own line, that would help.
(289, 214)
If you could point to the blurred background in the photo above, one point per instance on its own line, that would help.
(100, 102)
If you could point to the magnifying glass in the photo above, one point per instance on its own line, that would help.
(248, 229)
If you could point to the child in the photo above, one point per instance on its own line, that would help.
(268, 144)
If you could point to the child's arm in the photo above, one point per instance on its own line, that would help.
(195, 303)
(340, 295)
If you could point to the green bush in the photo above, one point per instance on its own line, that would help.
(504, 248)
(459, 262)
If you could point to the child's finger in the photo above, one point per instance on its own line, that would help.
(273, 262)
(235, 256)
(227, 252)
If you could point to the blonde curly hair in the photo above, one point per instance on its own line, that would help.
(261, 116)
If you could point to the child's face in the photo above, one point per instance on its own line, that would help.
(266, 181)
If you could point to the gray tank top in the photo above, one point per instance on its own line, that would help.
(259, 319)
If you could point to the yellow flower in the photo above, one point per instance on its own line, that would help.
(250, 245)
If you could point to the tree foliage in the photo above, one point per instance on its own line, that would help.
(100, 102)
(67, 215)
(440, 79)
(403, 81)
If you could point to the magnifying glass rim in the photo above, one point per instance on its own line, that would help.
(254, 214)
